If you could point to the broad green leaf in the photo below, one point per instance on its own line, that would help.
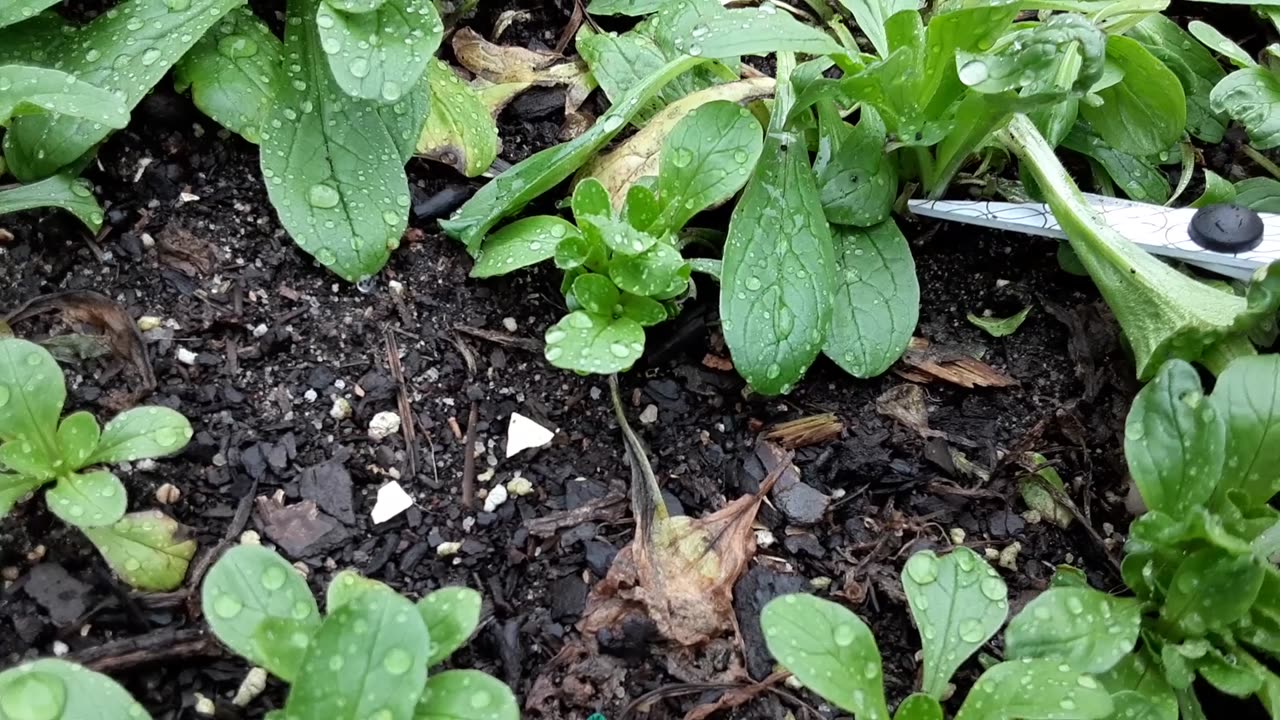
(618, 62)
(143, 432)
(1259, 193)
(705, 28)
(1138, 177)
(1146, 112)
(1196, 69)
(591, 343)
(14, 488)
(466, 695)
(1217, 189)
(1220, 43)
(345, 586)
(380, 54)
(77, 439)
(1247, 397)
(33, 41)
(1058, 57)
(705, 160)
(356, 6)
(643, 310)
(640, 208)
(1041, 689)
(1174, 441)
(31, 395)
(61, 191)
(870, 15)
(249, 586)
(525, 242)
(1196, 609)
(459, 131)
(451, 615)
(30, 459)
(577, 251)
(1000, 327)
(596, 294)
(877, 299)
(1229, 672)
(626, 7)
(515, 188)
(1251, 97)
(858, 181)
(918, 706)
(368, 659)
(1137, 686)
(29, 90)
(651, 273)
(15, 11)
(332, 163)
(958, 602)
(234, 73)
(617, 234)
(87, 500)
(590, 199)
(125, 52)
(779, 264)
(147, 549)
(1087, 629)
(829, 650)
(52, 689)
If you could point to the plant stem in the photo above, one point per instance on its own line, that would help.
(1262, 160)
(1218, 356)
(647, 505)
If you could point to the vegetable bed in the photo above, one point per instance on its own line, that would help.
(516, 432)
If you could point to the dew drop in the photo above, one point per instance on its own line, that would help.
(922, 568)
(971, 631)
(323, 196)
(619, 350)
(273, 578)
(397, 661)
(994, 588)
(844, 635)
(480, 699)
(34, 696)
(227, 606)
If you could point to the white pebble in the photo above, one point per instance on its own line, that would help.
(260, 330)
(186, 357)
(310, 395)
(383, 424)
(60, 648)
(519, 486)
(204, 706)
(445, 549)
(510, 324)
(251, 687)
(765, 538)
(649, 415)
(250, 537)
(495, 498)
(341, 409)
(148, 322)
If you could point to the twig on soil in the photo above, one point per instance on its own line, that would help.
(161, 646)
(503, 339)
(744, 691)
(571, 27)
(473, 418)
(601, 509)
(402, 401)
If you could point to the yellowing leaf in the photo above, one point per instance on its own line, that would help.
(459, 131)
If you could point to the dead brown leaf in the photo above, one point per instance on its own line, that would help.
(734, 697)
(715, 362)
(906, 404)
(806, 431)
(926, 364)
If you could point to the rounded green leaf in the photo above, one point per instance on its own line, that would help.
(27, 458)
(249, 586)
(918, 706)
(451, 615)
(466, 695)
(706, 159)
(524, 242)
(640, 209)
(1191, 602)
(829, 650)
(1145, 113)
(591, 343)
(144, 432)
(1251, 97)
(958, 602)
(1247, 397)
(29, 90)
(617, 234)
(147, 549)
(651, 273)
(643, 310)
(77, 439)
(858, 181)
(1089, 630)
(1039, 689)
(460, 131)
(877, 300)
(87, 500)
(355, 6)
(53, 689)
(577, 251)
(590, 198)
(596, 294)
(346, 585)
(14, 488)
(381, 54)
(1137, 684)
(31, 396)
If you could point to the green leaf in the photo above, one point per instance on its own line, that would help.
(459, 131)
(143, 432)
(249, 586)
(368, 659)
(877, 299)
(53, 689)
(30, 459)
(870, 15)
(640, 208)
(147, 549)
(643, 310)
(515, 188)
(1041, 689)
(125, 52)
(958, 602)
(451, 615)
(1143, 114)
(1220, 43)
(1217, 189)
(61, 191)
(590, 199)
(525, 242)
(345, 586)
(857, 179)
(1059, 57)
(1251, 97)
(1000, 327)
(1196, 69)
(13, 488)
(651, 273)
(1039, 488)
(31, 397)
(918, 706)
(379, 54)
(1138, 177)
(626, 7)
(1229, 673)
(1174, 441)
(706, 160)
(77, 438)
(1138, 686)
(1089, 630)
(617, 234)
(591, 343)
(356, 6)
(829, 650)
(1197, 611)
(1247, 398)
(618, 62)
(234, 73)
(596, 294)
(333, 164)
(15, 11)
(1259, 193)
(87, 500)
(31, 90)
(576, 251)
(704, 28)
(466, 695)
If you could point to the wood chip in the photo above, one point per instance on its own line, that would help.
(924, 365)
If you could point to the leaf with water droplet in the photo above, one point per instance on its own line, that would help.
(1138, 177)
(78, 436)
(651, 273)
(61, 191)
(958, 602)
(1191, 603)
(87, 500)
(379, 54)
(829, 650)
(1089, 630)
(596, 294)
(617, 62)
(877, 299)
(703, 28)
(646, 311)
(52, 689)
(1137, 685)
(235, 582)
(706, 160)
(233, 73)
(466, 695)
(590, 343)
(147, 549)
(452, 615)
(918, 706)
(142, 432)
(384, 645)
(459, 130)
(16, 11)
(1195, 67)
(1146, 112)
(527, 241)
(858, 181)
(29, 90)
(1043, 689)
(13, 488)
(1247, 398)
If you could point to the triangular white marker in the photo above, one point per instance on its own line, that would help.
(392, 500)
(523, 433)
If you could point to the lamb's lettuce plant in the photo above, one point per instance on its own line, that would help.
(52, 689)
(1251, 94)
(40, 447)
(1057, 649)
(367, 657)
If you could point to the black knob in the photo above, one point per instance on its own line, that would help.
(1226, 228)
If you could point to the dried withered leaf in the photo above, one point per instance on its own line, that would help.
(806, 431)
(905, 403)
(924, 364)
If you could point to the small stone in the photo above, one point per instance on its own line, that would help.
(37, 553)
(991, 553)
(310, 395)
(186, 357)
(168, 494)
(205, 706)
(251, 687)
(495, 498)
(765, 538)
(447, 549)
(1032, 517)
(396, 287)
(260, 330)
(341, 409)
(519, 486)
(250, 537)
(957, 536)
(510, 324)
(60, 648)
(1008, 557)
(148, 322)
(820, 583)
(10, 573)
(383, 424)
(649, 415)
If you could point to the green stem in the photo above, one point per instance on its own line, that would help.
(1262, 160)
(1218, 356)
(924, 161)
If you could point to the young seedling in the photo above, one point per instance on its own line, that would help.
(58, 690)
(1054, 647)
(367, 657)
(38, 449)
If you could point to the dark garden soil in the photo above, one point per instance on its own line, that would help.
(191, 239)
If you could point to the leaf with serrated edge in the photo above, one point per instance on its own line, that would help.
(451, 615)
(31, 90)
(459, 131)
(1087, 629)
(705, 160)
(87, 500)
(1041, 689)
(126, 52)
(1247, 397)
(61, 191)
(144, 432)
(829, 650)
(877, 300)
(248, 586)
(466, 695)
(379, 54)
(958, 602)
(591, 343)
(52, 689)
(525, 242)
(367, 660)
(147, 549)
(1174, 440)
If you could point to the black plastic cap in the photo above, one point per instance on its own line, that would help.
(1226, 228)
